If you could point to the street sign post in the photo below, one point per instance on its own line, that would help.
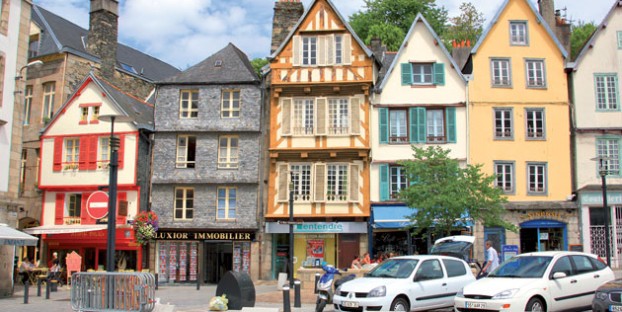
(97, 205)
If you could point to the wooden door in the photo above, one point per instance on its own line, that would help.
(348, 248)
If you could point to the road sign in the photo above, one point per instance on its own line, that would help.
(97, 205)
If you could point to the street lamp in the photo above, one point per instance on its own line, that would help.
(291, 230)
(112, 187)
(20, 76)
(602, 170)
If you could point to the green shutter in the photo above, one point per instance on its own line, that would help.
(439, 74)
(384, 125)
(384, 182)
(450, 117)
(407, 74)
(417, 124)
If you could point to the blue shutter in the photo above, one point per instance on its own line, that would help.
(384, 125)
(417, 124)
(439, 74)
(450, 120)
(407, 74)
(384, 182)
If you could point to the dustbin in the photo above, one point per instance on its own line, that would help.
(239, 289)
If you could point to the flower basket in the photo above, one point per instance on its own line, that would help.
(146, 225)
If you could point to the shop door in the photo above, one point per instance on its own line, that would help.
(348, 248)
(218, 261)
(528, 240)
(497, 236)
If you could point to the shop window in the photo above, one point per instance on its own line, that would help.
(177, 262)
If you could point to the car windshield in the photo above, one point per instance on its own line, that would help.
(394, 268)
(523, 267)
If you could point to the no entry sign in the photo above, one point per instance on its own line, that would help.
(97, 205)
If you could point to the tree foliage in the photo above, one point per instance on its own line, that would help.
(466, 26)
(257, 64)
(397, 13)
(443, 193)
(580, 33)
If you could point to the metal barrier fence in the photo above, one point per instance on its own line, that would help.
(111, 291)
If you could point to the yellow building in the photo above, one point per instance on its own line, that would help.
(519, 128)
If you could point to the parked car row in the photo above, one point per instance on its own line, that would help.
(538, 281)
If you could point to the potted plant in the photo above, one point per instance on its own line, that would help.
(146, 225)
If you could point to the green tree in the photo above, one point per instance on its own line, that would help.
(580, 33)
(257, 64)
(443, 193)
(397, 13)
(466, 26)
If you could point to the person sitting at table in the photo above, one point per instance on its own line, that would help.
(25, 268)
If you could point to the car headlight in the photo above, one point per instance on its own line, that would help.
(379, 291)
(601, 295)
(506, 294)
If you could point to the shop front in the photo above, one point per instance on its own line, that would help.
(185, 256)
(337, 243)
(593, 221)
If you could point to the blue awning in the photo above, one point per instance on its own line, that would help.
(398, 216)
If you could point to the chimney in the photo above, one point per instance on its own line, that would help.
(558, 25)
(378, 49)
(286, 15)
(102, 38)
(461, 52)
(547, 8)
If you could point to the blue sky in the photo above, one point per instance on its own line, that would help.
(184, 32)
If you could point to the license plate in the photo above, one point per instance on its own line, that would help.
(615, 308)
(475, 305)
(350, 304)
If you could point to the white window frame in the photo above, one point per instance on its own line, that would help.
(501, 72)
(309, 50)
(71, 153)
(436, 131)
(339, 116)
(399, 172)
(191, 109)
(535, 73)
(503, 131)
(227, 202)
(27, 104)
(609, 147)
(419, 74)
(339, 179)
(395, 127)
(519, 33)
(228, 155)
(607, 92)
(73, 208)
(538, 186)
(183, 150)
(49, 93)
(301, 179)
(229, 97)
(304, 116)
(104, 153)
(338, 49)
(533, 117)
(504, 172)
(185, 200)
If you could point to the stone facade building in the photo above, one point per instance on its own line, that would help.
(206, 170)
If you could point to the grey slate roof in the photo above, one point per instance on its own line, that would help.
(62, 36)
(387, 60)
(234, 68)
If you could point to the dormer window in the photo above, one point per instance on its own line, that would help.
(89, 113)
(218, 63)
(129, 68)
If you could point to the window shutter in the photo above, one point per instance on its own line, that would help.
(417, 124)
(451, 124)
(347, 49)
(320, 180)
(321, 50)
(355, 121)
(330, 50)
(83, 153)
(439, 74)
(84, 216)
(384, 125)
(59, 217)
(121, 151)
(92, 159)
(384, 182)
(58, 154)
(286, 117)
(296, 53)
(283, 185)
(407, 74)
(122, 196)
(354, 183)
(321, 126)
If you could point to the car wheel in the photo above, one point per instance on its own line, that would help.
(535, 305)
(400, 304)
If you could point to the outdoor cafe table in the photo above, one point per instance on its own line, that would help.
(33, 275)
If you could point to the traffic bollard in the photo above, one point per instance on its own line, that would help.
(297, 294)
(26, 283)
(39, 288)
(286, 304)
(156, 281)
(47, 290)
(317, 279)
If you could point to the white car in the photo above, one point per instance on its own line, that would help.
(408, 283)
(537, 281)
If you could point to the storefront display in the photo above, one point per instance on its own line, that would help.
(177, 262)
(241, 257)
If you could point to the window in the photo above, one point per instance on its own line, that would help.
(454, 268)
(337, 183)
(129, 68)
(398, 180)
(504, 172)
(184, 203)
(518, 33)
(303, 116)
(186, 151)
(72, 209)
(4, 13)
(48, 101)
(189, 104)
(423, 74)
(27, 104)
(84, 114)
(338, 49)
(104, 153)
(72, 153)
(89, 113)
(535, 123)
(227, 204)
(582, 264)
(230, 104)
(309, 50)
(398, 125)
(607, 92)
(228, 152)
(301, 179)
(503, 123)
(535, 74)
(338, 116)
(563, 265)
(435, 125)
(609, 148)
(33, 46)
(22, 171)
(537, 178)
(619, 33)
(500, 72)
(95, 113)
(429, 270)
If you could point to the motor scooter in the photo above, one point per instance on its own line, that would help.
(325, 286)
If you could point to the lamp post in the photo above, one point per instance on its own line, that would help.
(602, 170)
(291, 230)
(112, 187)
